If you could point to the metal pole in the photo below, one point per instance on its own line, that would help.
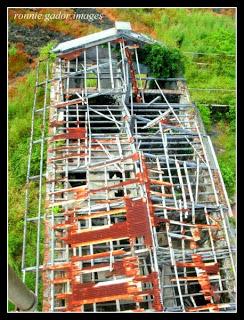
(40, 183)
(27, 191)
(19, 294)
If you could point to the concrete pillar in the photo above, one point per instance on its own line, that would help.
(19, 294)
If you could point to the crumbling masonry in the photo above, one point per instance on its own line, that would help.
(136, 214)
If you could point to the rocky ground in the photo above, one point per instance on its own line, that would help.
(32, 39)
(103, 24)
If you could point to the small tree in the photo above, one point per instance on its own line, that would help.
(164, 62)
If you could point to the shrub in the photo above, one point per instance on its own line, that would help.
(164, 62)
(46, 52)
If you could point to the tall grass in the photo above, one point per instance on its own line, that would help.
(199, 30)
(19, 125)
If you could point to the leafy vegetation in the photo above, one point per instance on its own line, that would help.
(205, 116)
(57, 210)
(164, 62)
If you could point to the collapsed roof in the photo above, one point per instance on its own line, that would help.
(137, 213)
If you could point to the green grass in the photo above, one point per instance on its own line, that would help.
(90, 81)
(205, 116)
(225, 143)
(196, 30)
(19, 120)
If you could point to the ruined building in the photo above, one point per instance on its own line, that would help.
(130, 211)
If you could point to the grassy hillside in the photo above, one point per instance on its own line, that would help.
(190, 30)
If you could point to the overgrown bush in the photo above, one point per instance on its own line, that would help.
(163, 61)
(45, 52)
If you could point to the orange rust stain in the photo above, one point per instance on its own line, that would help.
(212, 267)
(84, 293)
(101, 214)
(71, 55)
(133, 75)
(129, 266)
(114, 186)
(56, 123)
(71, 133)
(203, 279)
(68, 156)
(98, 255)
(205, 286)
(67, 103)
(137, 225)
(209, 306)
(138, 220)
(116, 231)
